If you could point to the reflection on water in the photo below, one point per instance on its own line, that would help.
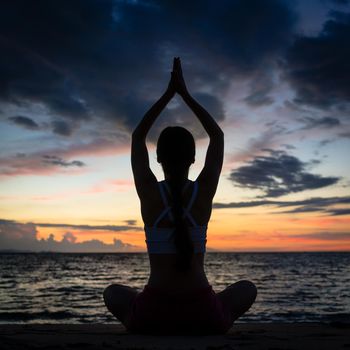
(67, 288)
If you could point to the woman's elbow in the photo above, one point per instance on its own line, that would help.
(137, 135)
(217, 134)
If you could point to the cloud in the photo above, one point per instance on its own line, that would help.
(114, 228)
(24, 122)
(340, 2)
(61, 127)
(345, 134)
(54, 160)
(32, 163)
(304, 209)
(323, 236)
(317, 67)
(288, 146)
(236, 205)
(267, 139)
(130, 222)
(260, 87)
(339, 211)
(278, 174)
(316, 204)
(89, 60)
(324, 122)
(258, 98)
(325, 142)
(23, 237)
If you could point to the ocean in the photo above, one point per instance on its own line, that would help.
(67, 288)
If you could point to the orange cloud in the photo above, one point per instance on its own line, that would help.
(34, 163)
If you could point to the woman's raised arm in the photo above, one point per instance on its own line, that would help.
(143, 175)
(215, 153)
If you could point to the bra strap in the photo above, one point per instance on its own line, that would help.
(189, 206)
(165, 201)
(193, 197)
(167, 209)
(162, 214)
(162, 193)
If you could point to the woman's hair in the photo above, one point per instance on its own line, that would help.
(176, 152)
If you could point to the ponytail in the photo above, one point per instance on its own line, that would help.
(176, 152)
(183, 242)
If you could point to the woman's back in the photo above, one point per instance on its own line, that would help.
(153, 204)
(163, 272)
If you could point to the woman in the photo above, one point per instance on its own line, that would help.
(178, 298)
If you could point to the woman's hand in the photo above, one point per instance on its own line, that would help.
(170, 91)
(177, 77)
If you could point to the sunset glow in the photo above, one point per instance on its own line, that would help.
(73, 89)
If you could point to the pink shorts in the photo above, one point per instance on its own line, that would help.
(199, 312)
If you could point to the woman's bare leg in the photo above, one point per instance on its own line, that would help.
(238, 298)
(118, 299)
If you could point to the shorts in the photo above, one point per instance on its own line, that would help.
(155, 311)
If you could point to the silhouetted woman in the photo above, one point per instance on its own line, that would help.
(178, 298)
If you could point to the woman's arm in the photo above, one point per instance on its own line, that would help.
(215, 153)
(143, 175)
(151, 115)
(208, 122)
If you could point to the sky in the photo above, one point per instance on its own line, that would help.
(77, 76)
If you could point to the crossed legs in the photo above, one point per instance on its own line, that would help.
(118, 299)
(237, 298)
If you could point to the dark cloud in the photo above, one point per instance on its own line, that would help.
(288, 146)
(324, 122)
(345, 134)
(339, 211)
(340, 2)
(35, 163)
(131, 222)
(260, 87)
(23, 237)
(326, 142)
(323, 236)
(278, 174)
(237, 205)
(37, 42)
(303, 209)
(111, 59)
(54, 160)
(318, 67)
(20, 155)
(114, 228)
(61, 127)
(317, 204)
(258, 98)
(25, 122)
(316, 201)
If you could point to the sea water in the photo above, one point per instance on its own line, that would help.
(67, 288)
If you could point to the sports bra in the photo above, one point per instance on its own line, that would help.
(160, 240)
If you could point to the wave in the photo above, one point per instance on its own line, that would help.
(42, 315)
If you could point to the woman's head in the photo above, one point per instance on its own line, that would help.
(175, 149)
